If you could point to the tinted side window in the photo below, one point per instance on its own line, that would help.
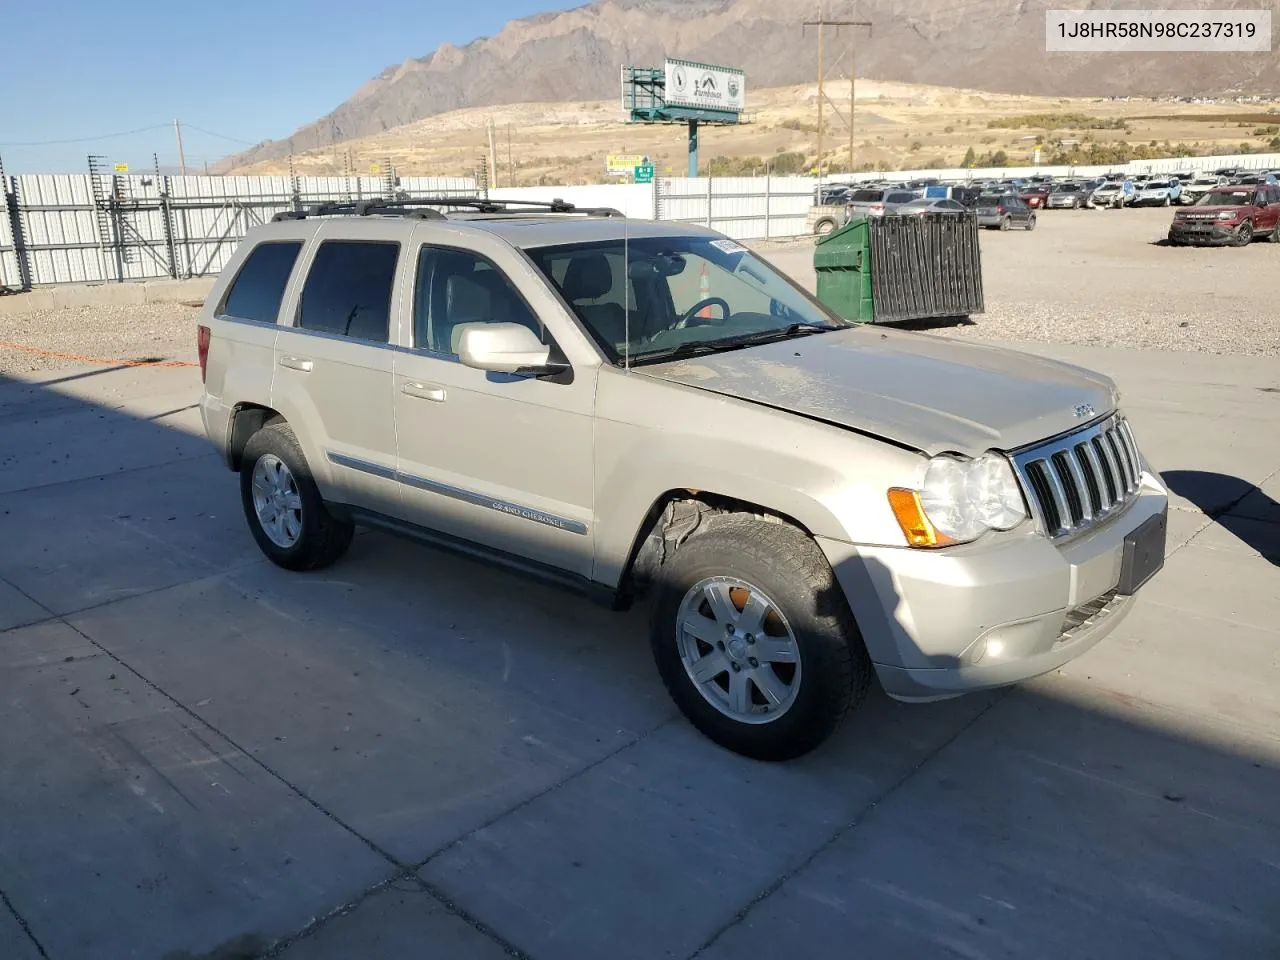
(258, 288)
(348, 291)
(454, 287)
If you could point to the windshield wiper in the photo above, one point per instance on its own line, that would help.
(699, 347)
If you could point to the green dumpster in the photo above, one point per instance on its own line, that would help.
(842, 262)
(894, 268)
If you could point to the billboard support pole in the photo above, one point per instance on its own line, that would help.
(693, 148)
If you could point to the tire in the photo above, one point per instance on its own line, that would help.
(1075, 204)
(1243, 235)
(738, 560)
(313, 538)
(1274, 236)
(1031, 222)
(823, 227)
(1005, 223)
(1173, 241)
(1166, 202)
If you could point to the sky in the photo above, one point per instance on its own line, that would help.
(234, 72)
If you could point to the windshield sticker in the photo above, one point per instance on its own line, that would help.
(728, 246)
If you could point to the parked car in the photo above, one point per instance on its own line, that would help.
(875, 203)
(966, 195)
(1158, 193)
(1197, 188)
(1248, 180)
(1070, 195)
(1114, 194)
(801, 518)
(1184, 176)
(1004, 211)
(1232, 215)
(1035, 195)
(923, 205)
(832, 194)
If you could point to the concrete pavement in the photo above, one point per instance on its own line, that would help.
(412, 755)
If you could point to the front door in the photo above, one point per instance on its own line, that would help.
(333, 377)
(503, 461)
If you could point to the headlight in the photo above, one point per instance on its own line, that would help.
(1226, 215)
(959, 501)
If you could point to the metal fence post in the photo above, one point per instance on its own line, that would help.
(9, 200)
(710, 194)
(768, 198)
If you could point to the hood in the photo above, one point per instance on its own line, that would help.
(929, 393)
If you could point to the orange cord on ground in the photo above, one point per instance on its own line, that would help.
(99, 360)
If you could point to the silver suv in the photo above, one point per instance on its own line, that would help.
(650, 409)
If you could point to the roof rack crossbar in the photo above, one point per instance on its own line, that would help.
(424, 207)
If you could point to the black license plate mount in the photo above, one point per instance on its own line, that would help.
(1143, 553)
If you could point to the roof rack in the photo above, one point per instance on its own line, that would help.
(424, 208)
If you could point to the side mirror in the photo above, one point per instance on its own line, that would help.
(505, 348)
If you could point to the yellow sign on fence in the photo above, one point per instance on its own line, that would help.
(374, 168)
(122, 168)
(623, 164)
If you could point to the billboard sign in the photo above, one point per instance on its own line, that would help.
(701, 85)
(623, 164)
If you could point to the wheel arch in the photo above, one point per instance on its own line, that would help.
(673, 517)
(246, 420)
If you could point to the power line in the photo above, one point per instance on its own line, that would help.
(105, 136)
(220, 136)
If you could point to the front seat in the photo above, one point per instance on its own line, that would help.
(589, 277)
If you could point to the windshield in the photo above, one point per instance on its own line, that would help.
(866, 196)
(1067, 188)
(655, 295)
(1221, 198)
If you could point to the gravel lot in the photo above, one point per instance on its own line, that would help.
(160, 331)
(1095, 277)
(1104, 278)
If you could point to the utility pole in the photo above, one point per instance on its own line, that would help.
(820, 23)
(182, 157)
(511, 165)
(493, 156)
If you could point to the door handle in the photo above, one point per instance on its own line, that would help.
(296, 363)
(424, 391)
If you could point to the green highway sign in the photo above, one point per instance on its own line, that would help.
(644, 173)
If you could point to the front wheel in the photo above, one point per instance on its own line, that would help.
(1243, 235)
(282, 503)
(754, 640)
(1031, 222)
(1006, 223)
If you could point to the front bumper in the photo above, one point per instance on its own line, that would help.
(939, 623)
(1209, 233)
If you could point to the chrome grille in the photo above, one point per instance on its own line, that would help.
(1077, 481)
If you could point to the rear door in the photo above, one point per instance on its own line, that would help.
(333, 360)
(1269, 217)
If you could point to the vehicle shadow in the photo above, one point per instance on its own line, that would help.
(232, 750)
(924, 325)
(1238, 506)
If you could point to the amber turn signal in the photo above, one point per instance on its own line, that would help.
(911, 518)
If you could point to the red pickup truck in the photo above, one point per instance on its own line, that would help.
(1229, 215)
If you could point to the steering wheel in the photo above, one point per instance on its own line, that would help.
(707, 302)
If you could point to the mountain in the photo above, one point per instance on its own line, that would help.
(995, 45)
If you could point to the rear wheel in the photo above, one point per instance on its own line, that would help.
(282, 503)
(1243, 235)
(754, 640)
(1006, 223)
(1031, 222)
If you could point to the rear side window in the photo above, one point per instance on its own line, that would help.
(867, 196)
(900, 198)
(258, 288)
(348, 291)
